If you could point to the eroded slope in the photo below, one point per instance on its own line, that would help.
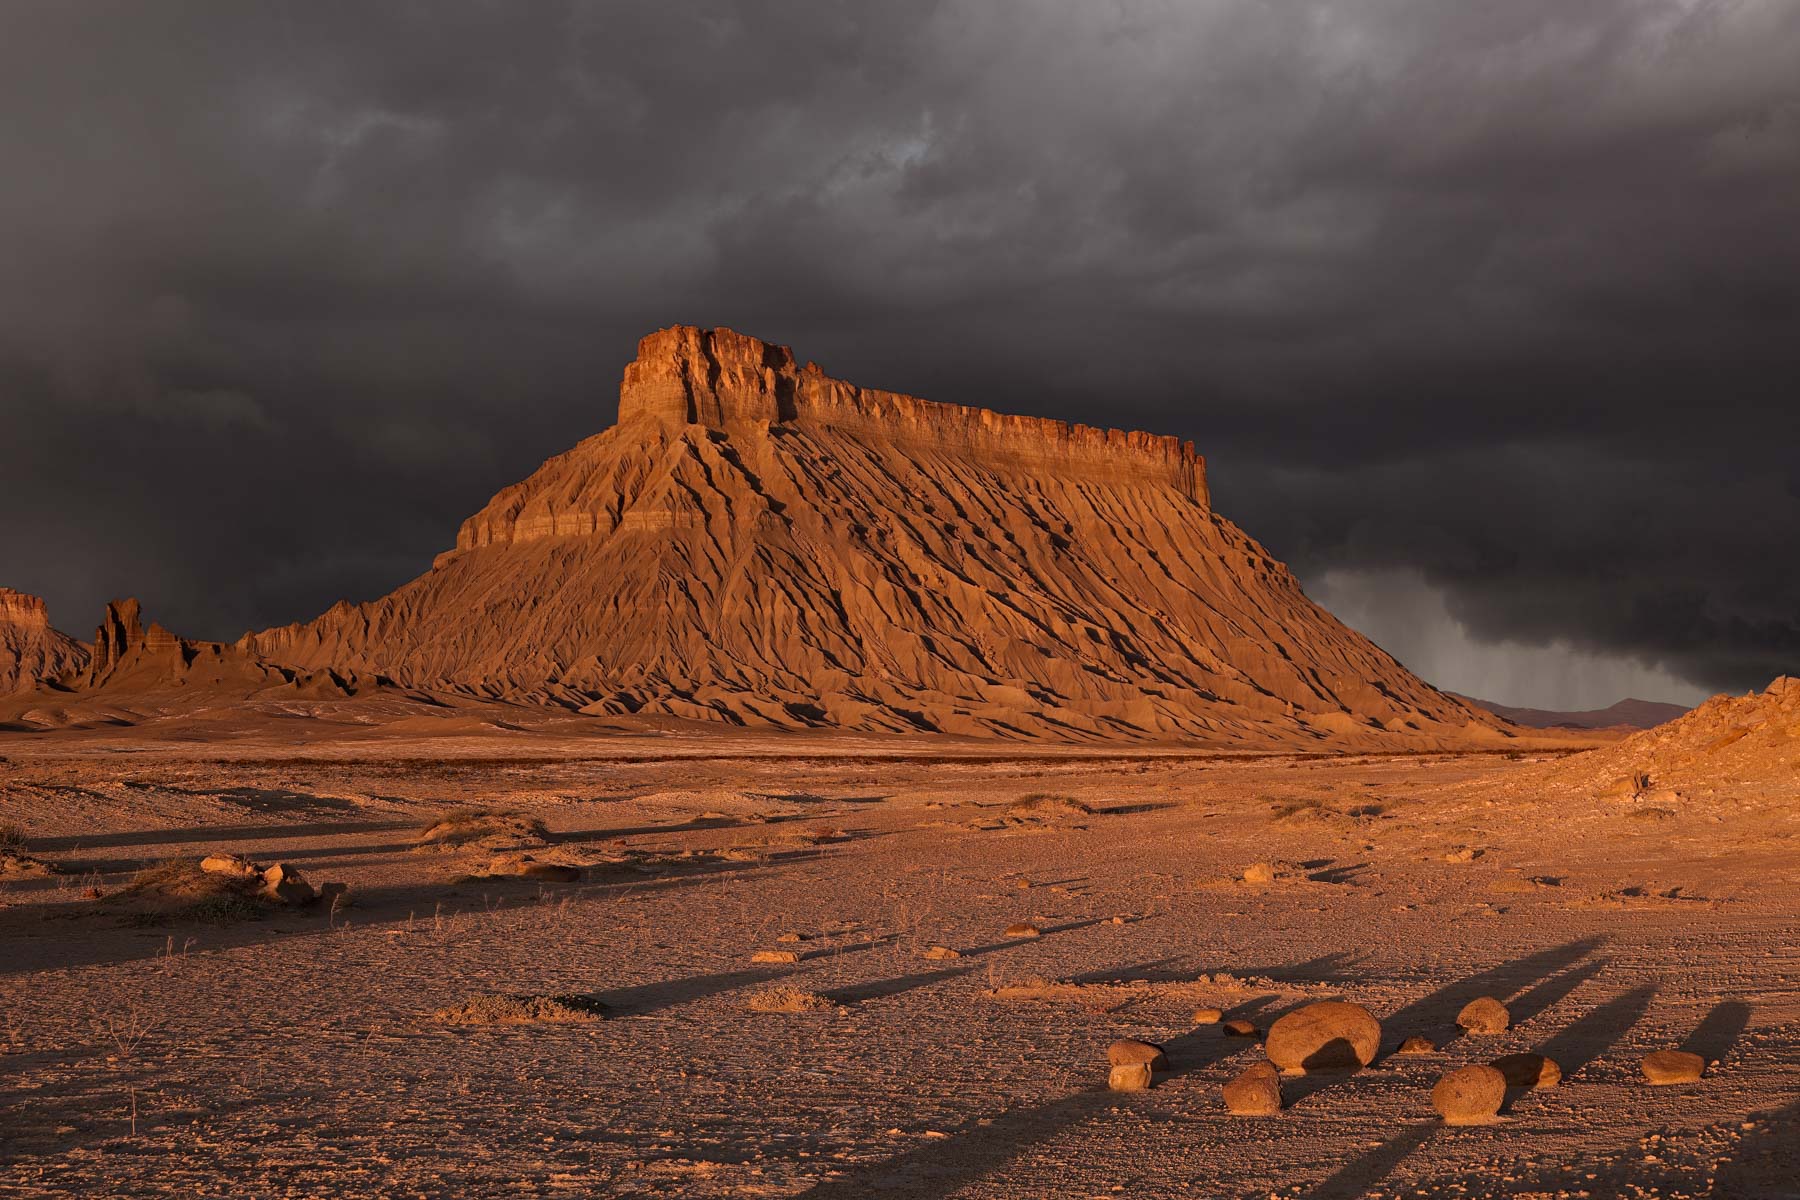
(756, 542)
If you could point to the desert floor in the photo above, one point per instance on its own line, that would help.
(297, 1054)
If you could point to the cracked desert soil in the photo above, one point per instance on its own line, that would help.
(296, 1055)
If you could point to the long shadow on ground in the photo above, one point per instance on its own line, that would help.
(1433, 1013)
(985, 1143)
(84, 933)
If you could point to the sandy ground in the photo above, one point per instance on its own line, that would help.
(297, 1055)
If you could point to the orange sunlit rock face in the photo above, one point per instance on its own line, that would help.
(757, 543)
(30, 650)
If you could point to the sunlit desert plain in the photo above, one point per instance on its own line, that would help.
(801, 790)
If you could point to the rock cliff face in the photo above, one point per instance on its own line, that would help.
(757, 543)
(31, 652)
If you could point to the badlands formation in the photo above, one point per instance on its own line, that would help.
(757, 543)
(804, 791)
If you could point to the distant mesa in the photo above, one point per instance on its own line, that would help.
(31, 652)
(756, 543)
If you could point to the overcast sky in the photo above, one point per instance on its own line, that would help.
(1486, 315)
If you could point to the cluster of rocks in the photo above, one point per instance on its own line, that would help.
(1335, 1035)
(279, 882)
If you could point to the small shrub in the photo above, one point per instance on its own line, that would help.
(1300, 808)
(567, 1009)
(1047, 806)
(786, 1000)
(224, 910)
(461, 826)
(12, 837)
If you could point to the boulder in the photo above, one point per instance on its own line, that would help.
(1261, 872)
(1022, 929)
(1255, 1091)
(1528, 1070)
(230, 864)
(1416, 1045)
(775, 956)
(1331, 1035)
(1208, 1016)
(1240, 1029)
(282, 882)
(942, 954)
(1129, 1050)
(1129, 1077)
(1469, 1095)
(1673, 1066)
(1484, 1015)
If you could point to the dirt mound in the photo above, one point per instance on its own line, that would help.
(1747, 740)
(1046, 808)
(757, 543)
(184, 890)
(482, 829)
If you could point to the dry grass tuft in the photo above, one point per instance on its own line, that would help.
(458, 827)
(786, 1000)
(1047, 806)
(522, 1010)
(178, 879)
(1651, 814)
(14, 862)
(1299, 809)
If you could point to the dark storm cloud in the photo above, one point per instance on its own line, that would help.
(1498, 299)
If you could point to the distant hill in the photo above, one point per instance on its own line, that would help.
(1631, 714)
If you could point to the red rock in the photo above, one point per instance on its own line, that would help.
(1329, 1035)
(1469, 1095)
(1673, 1066)
(1129, 1050)
(1484, 1015)
(1129, 1077)
(1254, 1092)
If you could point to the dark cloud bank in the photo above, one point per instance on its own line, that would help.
(1491, 308)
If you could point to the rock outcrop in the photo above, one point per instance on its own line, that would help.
(1745, 744)
(31, 652)
(127, 657)
(757, 543)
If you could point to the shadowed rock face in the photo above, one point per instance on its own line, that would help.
(31, 652)
(758, 543)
